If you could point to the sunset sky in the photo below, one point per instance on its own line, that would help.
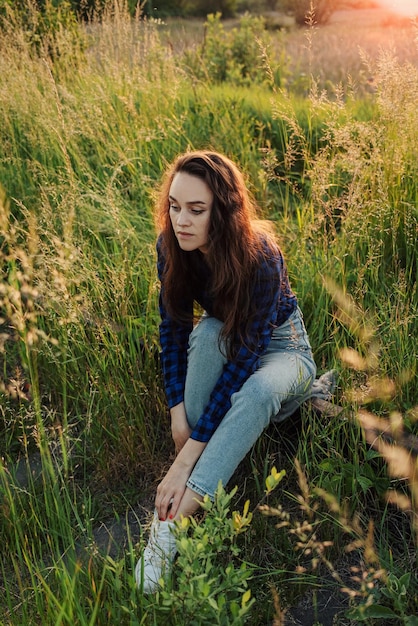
(403, 7)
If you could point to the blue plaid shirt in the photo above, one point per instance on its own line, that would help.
(275, 303)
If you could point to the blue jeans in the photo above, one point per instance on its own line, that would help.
(285, 374)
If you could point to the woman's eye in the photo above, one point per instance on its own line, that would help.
(176, 209)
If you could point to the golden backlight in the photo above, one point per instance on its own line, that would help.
(401, 7)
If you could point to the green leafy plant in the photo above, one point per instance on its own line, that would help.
(395, 592)
(210, 578)
(340, 477)
(241, 55)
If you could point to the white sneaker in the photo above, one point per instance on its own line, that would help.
(158, 556)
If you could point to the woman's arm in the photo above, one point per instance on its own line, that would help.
(171, 489)
(180, 429)
(174, 338)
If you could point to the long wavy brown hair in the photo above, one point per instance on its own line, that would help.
(234, 250)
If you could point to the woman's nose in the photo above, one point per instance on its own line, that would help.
(183, 218)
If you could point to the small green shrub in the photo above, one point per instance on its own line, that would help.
(241, 55)
(210, 579)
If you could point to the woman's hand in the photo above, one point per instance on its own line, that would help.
(180, 429)
(171, 489)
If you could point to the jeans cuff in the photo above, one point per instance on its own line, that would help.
(202, 492)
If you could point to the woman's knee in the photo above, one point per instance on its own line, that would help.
(256, 402)
(206, 333)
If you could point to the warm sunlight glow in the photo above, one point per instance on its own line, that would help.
(401, 7)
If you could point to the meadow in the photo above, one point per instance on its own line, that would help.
(325, 509)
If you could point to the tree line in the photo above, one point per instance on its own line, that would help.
(86, 9)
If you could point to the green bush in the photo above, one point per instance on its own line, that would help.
(210, 584)
(241, 56)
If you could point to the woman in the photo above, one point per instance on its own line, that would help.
(246, 360)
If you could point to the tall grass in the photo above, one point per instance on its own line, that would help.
(87, 129)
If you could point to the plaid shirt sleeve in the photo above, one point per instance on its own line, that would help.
(174, 340)
(268, 292)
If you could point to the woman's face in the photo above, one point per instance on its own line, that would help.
(190, 201)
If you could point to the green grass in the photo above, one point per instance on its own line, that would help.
(85, 136)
